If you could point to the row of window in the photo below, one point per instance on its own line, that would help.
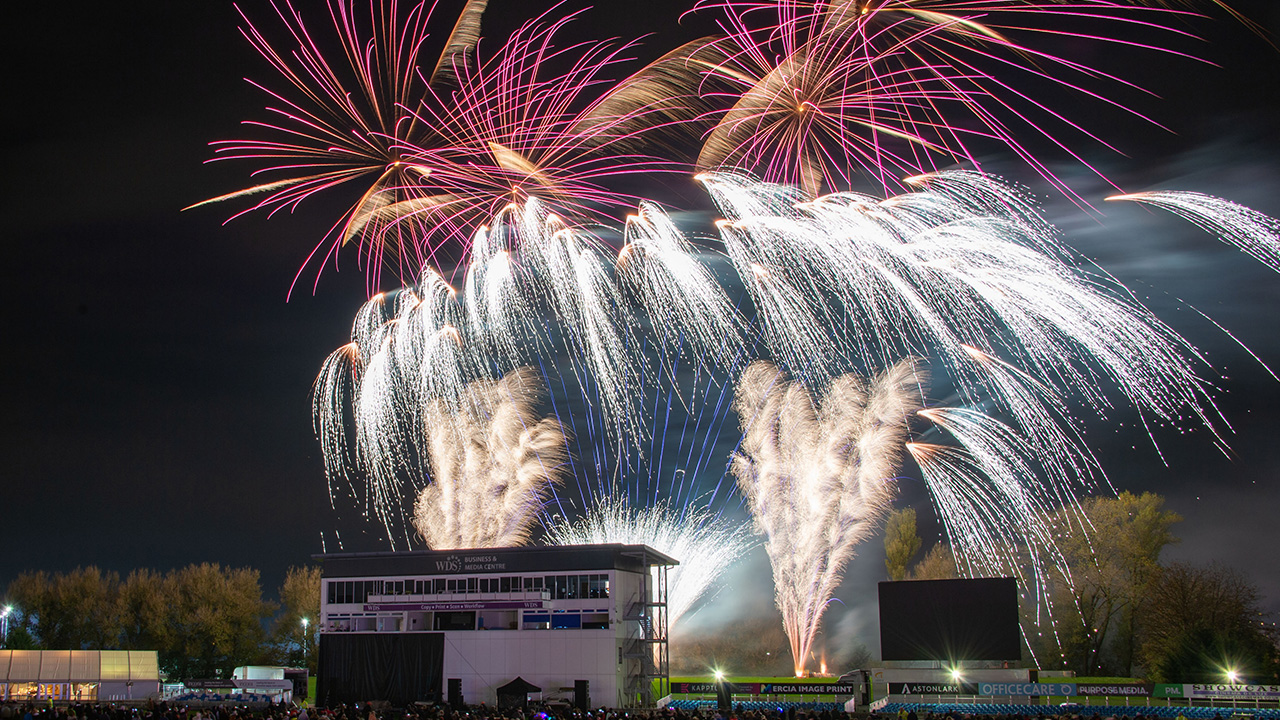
(20, 691)
(472, 620)
(559, 587)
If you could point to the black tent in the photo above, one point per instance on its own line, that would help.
(516, 693)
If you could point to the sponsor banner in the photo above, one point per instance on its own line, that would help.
(710, 688)
(471, 563)
(209, 684)
(1233, 691)
(1115, 689)
(1020, 689)
(810, 689)
(769, 688)
(1169, 690)
(922, 688)
(698, 688)
(447, 606)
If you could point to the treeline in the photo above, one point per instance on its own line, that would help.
(1114, 609)
(203, 620)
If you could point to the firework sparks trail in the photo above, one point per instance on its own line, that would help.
(1245, 228)
(704, 543)
(681, 295)
(818, 475)
(545, 263)
(964, 268)
(924, 273)
(493, 462)
(996, 509)
(535, 288)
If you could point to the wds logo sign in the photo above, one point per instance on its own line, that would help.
(453, 563)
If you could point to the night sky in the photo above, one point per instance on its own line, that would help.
(156, 407)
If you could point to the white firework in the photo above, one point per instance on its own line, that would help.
(705, 543)
(818, 476)
(493, 461)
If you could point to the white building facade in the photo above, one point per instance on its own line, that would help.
(456, 625)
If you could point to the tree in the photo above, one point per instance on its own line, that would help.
(293, 642)
(937, 564)
(1203, 621)
(77, 610)
(144, 608)
(901, 543)
(29, 593)
(1111, 548)
(216, 617)
(20, 638)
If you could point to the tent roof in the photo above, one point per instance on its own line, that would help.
(519, 685)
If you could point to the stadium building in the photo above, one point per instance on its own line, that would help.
(586, 623)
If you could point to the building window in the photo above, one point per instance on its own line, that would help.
(567, 621)
(455, 621)
(539, 621)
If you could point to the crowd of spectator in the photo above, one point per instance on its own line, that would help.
(164, 711)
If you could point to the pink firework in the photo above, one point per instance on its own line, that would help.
(431, 147)
(821, 90)
(512, 129)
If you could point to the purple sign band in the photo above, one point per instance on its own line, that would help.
(445, 606)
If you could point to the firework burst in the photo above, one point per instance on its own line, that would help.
(493, 462)
(432, 153)
(820, 90)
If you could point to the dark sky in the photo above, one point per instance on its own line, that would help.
(156, 404)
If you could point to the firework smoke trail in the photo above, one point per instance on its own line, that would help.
(492, 463)
(818, 475)
(1245, 228)
(704, 543)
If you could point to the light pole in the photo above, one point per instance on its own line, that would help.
(5, 617)
(306, 640)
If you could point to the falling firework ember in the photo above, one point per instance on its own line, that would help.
(1245, 228)
(818, 475)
